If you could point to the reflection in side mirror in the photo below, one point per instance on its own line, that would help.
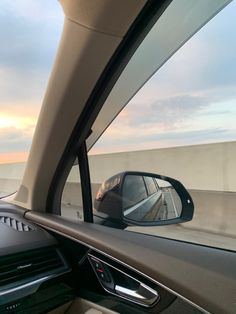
(149, 199)
(139, 198)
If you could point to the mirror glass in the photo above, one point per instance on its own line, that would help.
(146, 198)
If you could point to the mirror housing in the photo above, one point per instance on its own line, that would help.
(133, 198)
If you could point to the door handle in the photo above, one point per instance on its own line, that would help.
(143, 295)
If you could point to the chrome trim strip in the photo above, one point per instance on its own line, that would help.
(33, 283)
(145, 300)
(30, 285)
(24, 266)
(126, 265)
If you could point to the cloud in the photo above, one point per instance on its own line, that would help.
(205, 62)
(33, 10)
(190, 100)
(174, 121)
(13, 140)
(168, 112)
(29, 33)
(28, 41)
(161, 115)
(20, 109)
(19, 86)
(163, 140)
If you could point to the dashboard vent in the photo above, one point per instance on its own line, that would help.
(32, 264)
(15, 224)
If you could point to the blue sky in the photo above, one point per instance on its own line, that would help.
(190, 100)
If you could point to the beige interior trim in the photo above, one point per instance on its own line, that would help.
(86, 13)
(81, 306)
(61, 309)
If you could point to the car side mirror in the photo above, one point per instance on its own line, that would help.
(142, 199)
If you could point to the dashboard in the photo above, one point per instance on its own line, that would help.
(29, 258)
(41, 270)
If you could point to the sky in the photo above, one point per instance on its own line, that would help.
(29, 31)
(190, 100)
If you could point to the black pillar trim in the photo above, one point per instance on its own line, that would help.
(85, 183)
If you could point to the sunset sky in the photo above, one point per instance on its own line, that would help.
(190, 100)
(29, 33)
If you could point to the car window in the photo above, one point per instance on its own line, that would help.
(177, 123)
(181, 124)
(72, 202)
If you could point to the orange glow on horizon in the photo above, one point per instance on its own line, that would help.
(24, 122)
(13, 157)
(21, 122)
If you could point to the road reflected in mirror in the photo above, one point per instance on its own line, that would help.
(147, 199)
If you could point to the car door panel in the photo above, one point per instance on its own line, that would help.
(201, 275)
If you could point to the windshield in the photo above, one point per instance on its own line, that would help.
(29, 34)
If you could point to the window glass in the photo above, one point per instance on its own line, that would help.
(133, 191)
(180, 124)
(179, 22)
(72, 203)
(29, 35)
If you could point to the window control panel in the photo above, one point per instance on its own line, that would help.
(101, 270)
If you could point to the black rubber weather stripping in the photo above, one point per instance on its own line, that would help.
(152, 10)
(85, 183)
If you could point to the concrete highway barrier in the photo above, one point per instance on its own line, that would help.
(208, 171)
